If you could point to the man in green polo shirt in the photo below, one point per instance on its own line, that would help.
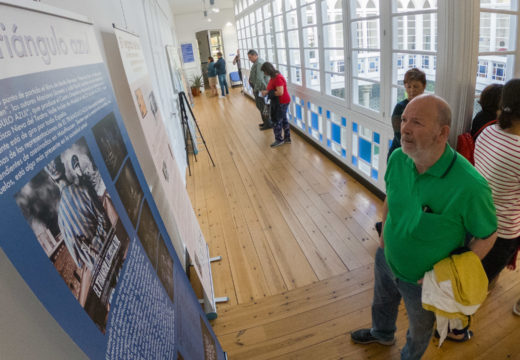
(434, 197)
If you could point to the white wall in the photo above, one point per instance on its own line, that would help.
(186, 25)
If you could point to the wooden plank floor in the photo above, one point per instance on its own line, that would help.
(297, 240)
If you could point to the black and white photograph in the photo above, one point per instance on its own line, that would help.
(165, 268)
(73, 218)
(148, 234)
(130, 191)
(110, 142)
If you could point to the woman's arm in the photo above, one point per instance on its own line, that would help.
(278, 91)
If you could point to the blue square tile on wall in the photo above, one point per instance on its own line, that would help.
(343, 121)
(365, 150)
(336, 133)
(328, 143)
(374, 174)
(343, 153)
(314, 121)
(376, 138)
(354, 127)
(354, 160)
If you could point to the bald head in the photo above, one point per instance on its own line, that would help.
(436, 104)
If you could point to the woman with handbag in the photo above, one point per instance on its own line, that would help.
(280, 99)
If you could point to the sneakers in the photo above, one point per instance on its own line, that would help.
(277, 143)
(516, 308)
(287, 141)
(264, 127)
(364, 336)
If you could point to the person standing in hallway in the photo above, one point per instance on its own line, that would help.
(212, 76)
(497, 158)
(236, 61)
(220, 66)
(258, 82)
(280, 99)
(434, 197)
(414, 84)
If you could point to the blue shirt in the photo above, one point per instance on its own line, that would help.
(212, 71)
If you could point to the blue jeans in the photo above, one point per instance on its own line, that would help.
(388, 291)
(223, 84)
(282, 124)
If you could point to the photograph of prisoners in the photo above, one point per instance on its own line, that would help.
(74, 220)
(110, 142)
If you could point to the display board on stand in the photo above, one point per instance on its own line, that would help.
(79, 223)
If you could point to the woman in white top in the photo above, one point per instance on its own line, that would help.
(497, 158)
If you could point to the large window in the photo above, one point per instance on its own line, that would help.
(414, 42)
(334, 47)
(310, 45)
(497, 39)
(293, 42)
(366, 53)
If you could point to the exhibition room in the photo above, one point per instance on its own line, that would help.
(260, 179)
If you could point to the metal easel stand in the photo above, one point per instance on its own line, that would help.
(188, 138)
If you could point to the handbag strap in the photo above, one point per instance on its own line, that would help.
(483, 127)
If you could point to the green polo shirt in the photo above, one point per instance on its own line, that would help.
(430, 213)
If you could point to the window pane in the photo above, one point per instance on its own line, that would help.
(283, 70)
(311, 58)
(292, 20)
(269, 41)
(268, 26)
(290, 4)
(293, 38)
(296, 75)
(259, 16)
(409, 5)
(282, 56)
(312, 78)
(309, 15)
(493, 69)
(278, 23)
(335, 85)
(416, 32)
(364, 8)
(270, 55)
(498, 4)
(310, 37)
(277, 6)
(366, 64)
(260, 28)
(280, 40)
(294, 57)
(267, 11)
(495, 31)
(331, 10)
(366, 94)
(365, 34)
(334, 60)
(261, 41)
(333, 35)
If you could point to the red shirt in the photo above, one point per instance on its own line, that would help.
(279, 80)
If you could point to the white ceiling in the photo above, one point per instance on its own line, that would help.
(188, 6)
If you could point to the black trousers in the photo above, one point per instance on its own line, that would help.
(499, 256)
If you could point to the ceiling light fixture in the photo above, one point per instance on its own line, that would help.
(215, 9)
